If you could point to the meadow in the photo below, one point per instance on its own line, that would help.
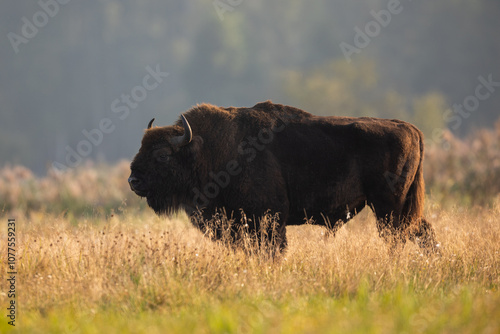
(92, 258)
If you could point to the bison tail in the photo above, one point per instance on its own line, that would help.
(413, 207)
(419, 229)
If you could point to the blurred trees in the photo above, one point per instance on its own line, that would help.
(465, 171)
(64, 79)
(343, 89)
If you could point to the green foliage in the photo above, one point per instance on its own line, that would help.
(389, 312)
(334, 88)
(428, 113)
(343, 89)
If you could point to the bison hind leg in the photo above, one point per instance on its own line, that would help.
(396, 231)
(424, 236)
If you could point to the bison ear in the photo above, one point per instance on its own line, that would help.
(196, 145)
(186, 138)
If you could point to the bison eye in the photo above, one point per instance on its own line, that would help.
(162, 155)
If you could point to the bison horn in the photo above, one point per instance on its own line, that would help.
(150, 124)
(186, 137)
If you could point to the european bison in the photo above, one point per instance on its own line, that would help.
(280, 160)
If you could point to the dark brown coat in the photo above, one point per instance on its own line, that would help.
(272, 158)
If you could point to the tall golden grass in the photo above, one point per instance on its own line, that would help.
(136, 263)
(112, 258)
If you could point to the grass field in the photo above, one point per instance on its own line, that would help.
(92, 258)
(136, 273)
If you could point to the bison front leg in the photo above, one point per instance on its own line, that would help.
(278, 238)
(389, 230)
(257, 234)
(272, 234)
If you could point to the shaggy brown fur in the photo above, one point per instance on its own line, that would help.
(277, 159)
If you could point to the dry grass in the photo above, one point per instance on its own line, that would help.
(465, 172)
(133, 266)
(84, 191)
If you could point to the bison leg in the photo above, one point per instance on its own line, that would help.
(260, 234)
(423, 235)
(272, 234)
(388, 220)
(395, 231)
(389, 230)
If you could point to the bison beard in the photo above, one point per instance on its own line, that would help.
(281, 162)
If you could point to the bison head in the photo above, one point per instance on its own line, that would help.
(162, 169)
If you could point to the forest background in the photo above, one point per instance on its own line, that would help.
(70, 70)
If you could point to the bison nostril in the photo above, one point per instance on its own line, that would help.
(137, 185)
(133, 180)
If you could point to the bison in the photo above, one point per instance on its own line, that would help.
(280, 160)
